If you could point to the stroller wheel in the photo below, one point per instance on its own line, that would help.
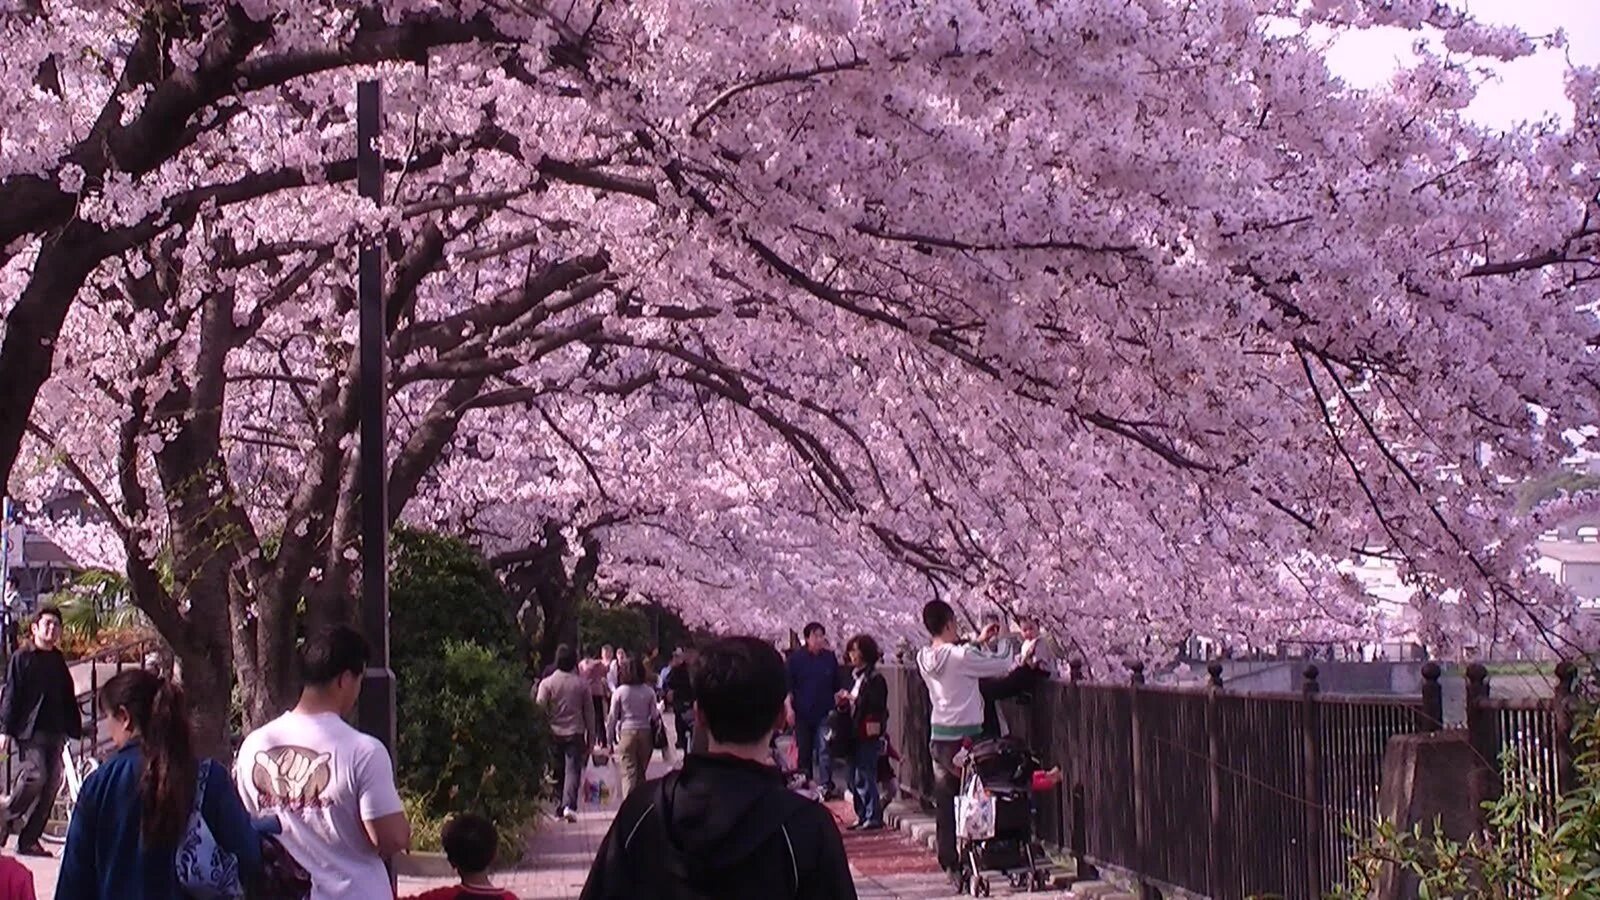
(980, 886)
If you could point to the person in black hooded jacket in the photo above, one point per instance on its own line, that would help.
(725, 825)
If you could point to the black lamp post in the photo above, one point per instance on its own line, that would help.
(376, 714)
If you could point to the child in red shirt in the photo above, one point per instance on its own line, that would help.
(16, 882)
(469, 844)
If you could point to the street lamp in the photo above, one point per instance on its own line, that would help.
(376, 713)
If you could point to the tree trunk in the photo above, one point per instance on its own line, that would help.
(266, 671)
(28, 352)
(537, 574)
(207, 681)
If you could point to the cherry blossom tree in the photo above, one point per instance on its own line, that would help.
(1125, 313)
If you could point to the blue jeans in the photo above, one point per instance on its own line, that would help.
(864, 781)
(811, 753)
(570, 753)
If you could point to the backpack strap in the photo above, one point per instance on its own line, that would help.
(200, 786)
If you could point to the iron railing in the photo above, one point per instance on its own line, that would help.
(1233, 795)
(141, 652)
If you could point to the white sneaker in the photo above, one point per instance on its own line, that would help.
(570, 814)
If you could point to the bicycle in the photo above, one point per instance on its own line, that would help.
(74, 770)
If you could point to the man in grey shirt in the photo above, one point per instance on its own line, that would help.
(567, 701)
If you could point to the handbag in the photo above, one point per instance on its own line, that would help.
(658, 733)
(205, 870)
(282, 877)
(839, 733)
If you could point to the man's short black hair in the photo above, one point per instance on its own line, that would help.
(812, 627)
(936, 615)
(47, 610)
(469, 842)
(566, 658)
(333, 652)
(739, 685)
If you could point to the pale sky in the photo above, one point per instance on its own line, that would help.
(1529, 88)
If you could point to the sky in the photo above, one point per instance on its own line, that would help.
(1529, 88)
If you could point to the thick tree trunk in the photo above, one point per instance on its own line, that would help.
(264, 649)
(207, 680)
(32, 326)
(536, 574)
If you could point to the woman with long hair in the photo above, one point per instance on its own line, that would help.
(869, 713)
(134, 813)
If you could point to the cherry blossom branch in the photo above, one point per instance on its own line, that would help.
(770, 79)
(950, 243)
(79, 474)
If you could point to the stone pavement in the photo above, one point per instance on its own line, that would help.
(894, 864)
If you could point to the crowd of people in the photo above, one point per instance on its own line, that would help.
(311, 807)
(728, 819)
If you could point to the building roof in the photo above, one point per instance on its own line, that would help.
(1571, 551)
(40, 551)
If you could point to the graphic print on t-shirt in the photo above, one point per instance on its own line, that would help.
(291, 778)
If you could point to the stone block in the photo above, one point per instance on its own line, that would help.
(1428, 778)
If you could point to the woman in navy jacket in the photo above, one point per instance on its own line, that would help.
(133, 812)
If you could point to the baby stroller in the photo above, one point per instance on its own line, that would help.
(994, 818)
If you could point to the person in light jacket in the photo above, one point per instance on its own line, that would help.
(952, 670)
(631, 724)
(570, 706)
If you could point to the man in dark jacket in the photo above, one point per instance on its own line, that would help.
(725, 826)
(680, 696)
(39, 711)
(814, 683)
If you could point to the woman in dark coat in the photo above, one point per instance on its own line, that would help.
(869, 713)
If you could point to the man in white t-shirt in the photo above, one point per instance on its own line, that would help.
(330, 785)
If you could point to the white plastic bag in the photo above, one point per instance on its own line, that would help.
(600, 782)
(787, 756)
(975, 812)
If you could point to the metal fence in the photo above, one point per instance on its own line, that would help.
(149, 652)
(1233, 795)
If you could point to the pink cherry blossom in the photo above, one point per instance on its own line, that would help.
(1128, 314)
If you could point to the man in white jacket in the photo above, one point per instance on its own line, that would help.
(951, 671)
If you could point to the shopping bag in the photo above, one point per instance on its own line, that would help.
(975, 812)
(788, 756)
(599, 783)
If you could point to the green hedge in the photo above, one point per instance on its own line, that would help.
(470, 737)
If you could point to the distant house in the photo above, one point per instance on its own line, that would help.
(35, 565)
(1571, 554)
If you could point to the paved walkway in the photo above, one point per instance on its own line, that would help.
(888, 865)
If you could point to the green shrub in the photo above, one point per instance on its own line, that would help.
(441, 589)
(470, 737)
(425, 829)
(472, 740)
